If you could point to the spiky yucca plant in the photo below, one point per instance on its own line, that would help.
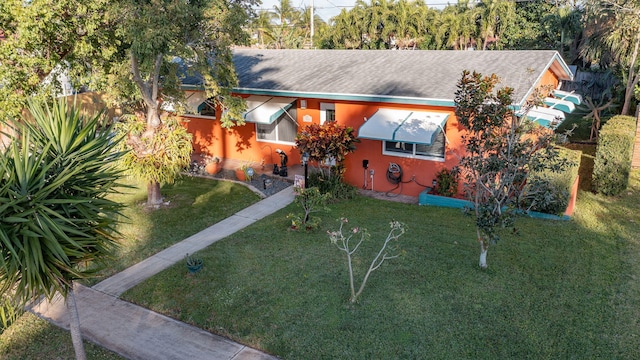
(55, 216)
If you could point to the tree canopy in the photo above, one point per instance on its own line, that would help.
(405, 24)
(41, 40)
(502, 149)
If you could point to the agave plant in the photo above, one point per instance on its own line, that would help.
(55, 214)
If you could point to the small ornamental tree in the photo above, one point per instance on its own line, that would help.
(501, 150)
(328, 141)
(310, 200)
(350, 242)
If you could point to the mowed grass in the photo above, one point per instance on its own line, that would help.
(194, 204)
(32, 338)
(557, 289)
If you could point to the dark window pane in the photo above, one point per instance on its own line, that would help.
(330, 115)
(267, 131)
(283, 129)
(399, 147)
(207, 108)
(436, 149)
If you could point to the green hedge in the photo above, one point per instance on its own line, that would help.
(613, 155)
(553, 189)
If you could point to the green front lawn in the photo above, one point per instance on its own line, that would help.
(558, 289)
(194, 204)
(32, 338)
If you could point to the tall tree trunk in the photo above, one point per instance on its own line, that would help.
(632, 78)
(154, 197)
(74, 326)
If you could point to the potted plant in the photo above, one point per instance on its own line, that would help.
(245, 172)
(194, 264)
(212, 165)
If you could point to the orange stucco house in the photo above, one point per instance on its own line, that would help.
(400, 103)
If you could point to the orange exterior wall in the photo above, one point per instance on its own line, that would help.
(549, 78)
(239, 143)
(417, 173)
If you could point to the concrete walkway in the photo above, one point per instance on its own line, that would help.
(137, 333)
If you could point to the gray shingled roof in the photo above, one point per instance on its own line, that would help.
(384, 73)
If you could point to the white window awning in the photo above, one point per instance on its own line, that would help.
(266, 109)
(576, 99)
(417, 127)
(546, 117)
(562, 105)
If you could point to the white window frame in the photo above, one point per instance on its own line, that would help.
(286, 117)
(413, 154)
(323, 111)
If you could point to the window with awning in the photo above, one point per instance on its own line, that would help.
(406, 133)
(562, 105)
(416, 127)
(266, 109)
(576, 99)
(207, 108)
(546, 117)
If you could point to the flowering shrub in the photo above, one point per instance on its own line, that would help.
(328, 141)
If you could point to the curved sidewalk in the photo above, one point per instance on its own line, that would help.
(138, 333)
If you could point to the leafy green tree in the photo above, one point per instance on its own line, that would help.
(565, 23)
(137, 51)
(501, 150)
(55, 213)
(44, 39)
(348, 28)
(617, 37)
(530, 32)
(159, 42)
(263, 25)
(426, 26)
(458, 26)
(289, 32)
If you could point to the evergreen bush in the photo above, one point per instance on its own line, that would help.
(332, 183)
(613, 155)
(549, 192)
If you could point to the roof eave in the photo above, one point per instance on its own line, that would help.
(349, 97)
(558, 66)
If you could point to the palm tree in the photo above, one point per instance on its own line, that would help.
(285, 12)
(305, 24)
(494, 15)
(348, 29)
(407, 16)
(289, 33)
(381, 22)
(458, 26)
(426, 25)
(55, 214)
(263, 24)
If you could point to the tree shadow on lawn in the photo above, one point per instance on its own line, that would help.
(194, 204)
(587, 160)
